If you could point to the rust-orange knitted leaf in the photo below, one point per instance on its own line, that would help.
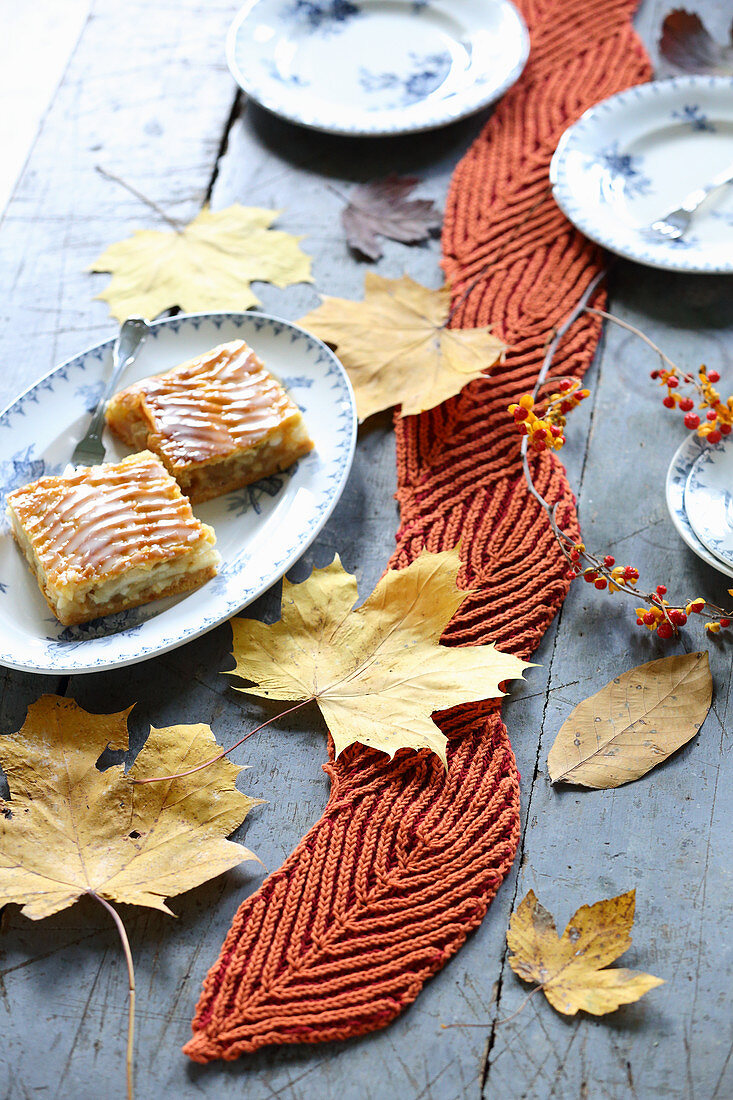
(407, 857)
(377, 673)
(396, 347)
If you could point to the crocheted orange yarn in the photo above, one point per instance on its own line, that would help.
(406, 858)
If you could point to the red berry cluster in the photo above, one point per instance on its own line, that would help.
(610, 575)
(601, 574)
(718, 415)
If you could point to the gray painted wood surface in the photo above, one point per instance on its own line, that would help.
(158, 109)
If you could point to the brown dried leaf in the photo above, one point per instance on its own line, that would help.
(687, 45)
(633, 723)
(570, 969)
(381, 208)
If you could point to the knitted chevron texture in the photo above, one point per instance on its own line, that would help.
(406, 859)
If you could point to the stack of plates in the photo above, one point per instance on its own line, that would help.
(700, 500)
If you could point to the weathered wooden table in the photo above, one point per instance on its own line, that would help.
(147, 95)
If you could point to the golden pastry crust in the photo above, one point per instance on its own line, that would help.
(217, 422)
(110, 537)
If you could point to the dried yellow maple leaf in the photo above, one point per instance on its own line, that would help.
(569, 969)
(378, 673)
(208, 264)
(396, 347)
(633, 723)
(75, 830)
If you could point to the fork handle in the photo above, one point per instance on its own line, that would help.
(696, 198)
(125, 348)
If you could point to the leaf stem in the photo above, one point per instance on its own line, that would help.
(224, 752)
(177, 225)
(516, 1012)
(506, 1019)
(131, 978)
(341, 195)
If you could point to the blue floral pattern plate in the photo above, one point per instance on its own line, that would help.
(261, 530)
(679, 470)
(375, 67)
(632, 159)
(709, 500)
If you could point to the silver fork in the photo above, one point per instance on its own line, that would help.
(675, 224)
(90, 450)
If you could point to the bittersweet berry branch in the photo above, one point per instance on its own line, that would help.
(541, 423)
(680, 385)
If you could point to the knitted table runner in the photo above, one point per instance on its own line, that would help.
(406, 858)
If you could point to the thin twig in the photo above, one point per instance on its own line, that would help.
(224, 752)
(131, 978)
(544, 370)
(177, 225)
(636, 331)
(560, 332)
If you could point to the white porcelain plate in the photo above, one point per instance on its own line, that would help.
(632, 159)
(709, 500)
(261, 530)
(677, 475)
(376, 67)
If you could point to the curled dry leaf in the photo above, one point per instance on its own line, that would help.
(687, 45)
(633, 723)
(570, 968)
(397, 348)
(75, 830)
(381, 208)
(208, 264)
(378, 673)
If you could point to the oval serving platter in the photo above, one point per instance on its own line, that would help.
(369, 68)
(261, 530)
